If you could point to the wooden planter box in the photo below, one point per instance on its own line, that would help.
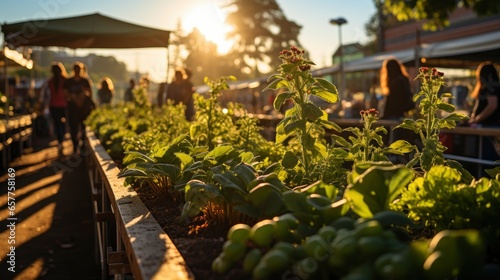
(128, 238)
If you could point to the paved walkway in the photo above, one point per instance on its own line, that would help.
(54, 230)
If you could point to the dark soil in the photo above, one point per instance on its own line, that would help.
(198, 242)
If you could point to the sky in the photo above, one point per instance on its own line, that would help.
(317, 36)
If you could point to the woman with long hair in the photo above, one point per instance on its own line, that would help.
(395, 86)
(106, 91)
(486, 111)
(54, 88)
(486, 97)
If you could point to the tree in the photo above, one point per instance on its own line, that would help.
(260, 31)
(437, 12)
(203, 59)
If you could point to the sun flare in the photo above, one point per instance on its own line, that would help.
(209, 19)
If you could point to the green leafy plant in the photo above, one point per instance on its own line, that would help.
(432, 106)
(375, 186)
(440, 201)
(302, 121)
(366, 144)
(212, 122)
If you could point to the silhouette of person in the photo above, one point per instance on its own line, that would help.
(56, 99)
(129, 94)
(486, 111)
(187, 96)
(395, 86)
(106, 91)
(78, 89)
(176, 88)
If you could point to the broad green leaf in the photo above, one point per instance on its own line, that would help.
(226, 182)
(323, 189)
(267, 199)
(132, 173)
(456, 117)
(329, 87)
(169, 170)
(326, 96)
(339, 153)
(274, 84)
(184, 158)
(296, 202)
(447, 107)
(330, 213)
(402, 146)
(376, 188)
(329, 125)
(320, 148)
(340, 140)
(289, 160)
(219, 152)
(140, 156)
(308, 141)
(245, 172)
(408, 124)
(291, 127)
(318, 201)
(274, 76)
(312, 112)
(281, 98)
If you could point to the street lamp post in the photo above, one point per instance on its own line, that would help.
(339, 21)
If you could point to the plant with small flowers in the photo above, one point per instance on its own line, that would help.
(366, 144)
(428, 127)
(301, 122)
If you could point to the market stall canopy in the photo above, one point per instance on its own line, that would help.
(463, 53)
(86, 31)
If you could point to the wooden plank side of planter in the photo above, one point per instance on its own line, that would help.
(151, 253)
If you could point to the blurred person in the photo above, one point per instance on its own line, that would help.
(176, 88)
(187, 95)
(160, 96)
(486, 112)
(78, 89)
(129, 92)
(395, 86)
(106, 91)
(55, 98)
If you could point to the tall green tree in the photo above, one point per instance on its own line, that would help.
(437, 12)
(260, 31)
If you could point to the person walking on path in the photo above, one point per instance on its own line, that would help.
(54, 95)
(79, 91)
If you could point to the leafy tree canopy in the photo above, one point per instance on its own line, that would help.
(260, 31)
(437, 12)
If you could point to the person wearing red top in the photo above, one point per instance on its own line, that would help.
(56, 99)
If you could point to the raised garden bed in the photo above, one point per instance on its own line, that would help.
(309, 210)
(150, 252)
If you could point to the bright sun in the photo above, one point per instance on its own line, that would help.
(209, 19)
